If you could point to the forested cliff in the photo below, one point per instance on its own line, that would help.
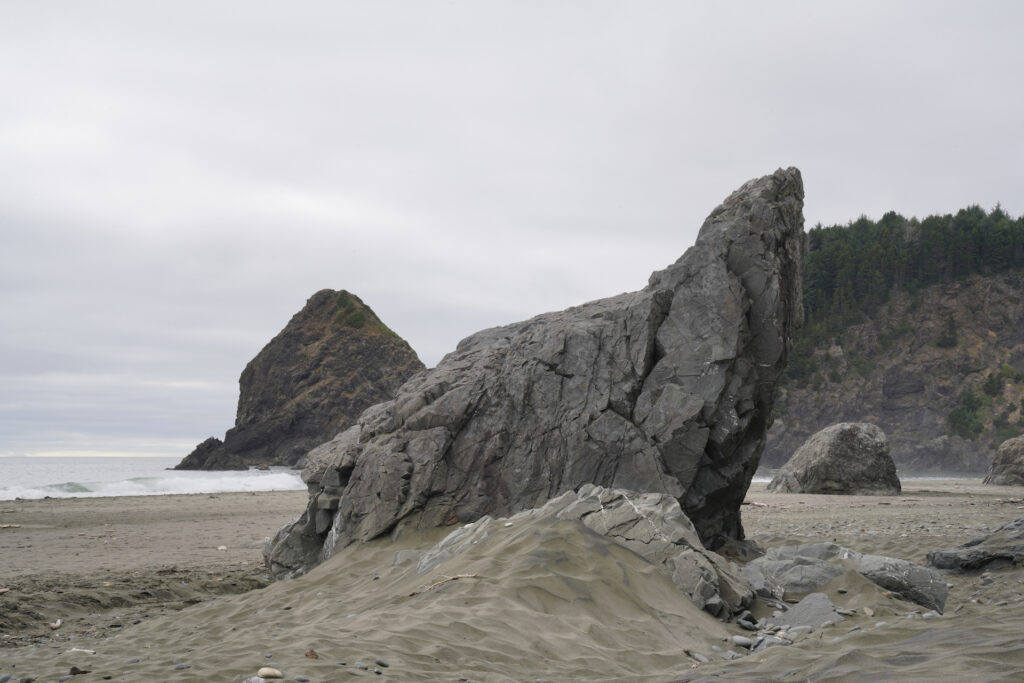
(916, 326)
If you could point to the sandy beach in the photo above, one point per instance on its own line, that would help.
(171, 588)
(87, 560)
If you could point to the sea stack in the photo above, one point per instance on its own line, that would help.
(667, 390)
(333, 359)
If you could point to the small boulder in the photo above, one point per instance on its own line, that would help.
(813, 611)
(1007, 468)
(849, 458)
(1004, 547)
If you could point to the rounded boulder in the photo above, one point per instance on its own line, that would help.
(1007, 468)
(849, 458)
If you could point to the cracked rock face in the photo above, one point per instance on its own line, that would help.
(668, 390)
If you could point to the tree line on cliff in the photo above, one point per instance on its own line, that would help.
(851, 270)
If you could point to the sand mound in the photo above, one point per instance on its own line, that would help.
(544, 600)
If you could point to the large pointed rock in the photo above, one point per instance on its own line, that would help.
(333, 359)
(668, 390)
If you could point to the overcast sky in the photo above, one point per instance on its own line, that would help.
(177, 178)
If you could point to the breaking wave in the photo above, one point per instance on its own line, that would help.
(176, 483)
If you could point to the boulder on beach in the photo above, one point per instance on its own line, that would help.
(333, 359)
(850, 458)
(1007, 468)
(666, 390)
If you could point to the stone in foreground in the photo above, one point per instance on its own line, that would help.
(333, 359)
(812, 611)
(790, 571)
(1007, 468)
(1004, 547)
(850, 458)
(668, 390)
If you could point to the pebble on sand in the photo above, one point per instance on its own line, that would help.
(742, 641)
(269, 672)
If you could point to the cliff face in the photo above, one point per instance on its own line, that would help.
(667, 390)
(907, 370)
(333, 359)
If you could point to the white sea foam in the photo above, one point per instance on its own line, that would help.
(95, 477)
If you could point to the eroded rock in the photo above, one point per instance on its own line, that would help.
(668, 390)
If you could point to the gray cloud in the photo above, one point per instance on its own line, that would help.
(177, 178)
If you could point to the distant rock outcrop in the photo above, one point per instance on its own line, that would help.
(1007, 467)
(665, 390)
(849, 458)
(334, 359)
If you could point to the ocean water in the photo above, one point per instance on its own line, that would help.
(71, 477)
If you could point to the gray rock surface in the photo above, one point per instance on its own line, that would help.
(1004, 547)
(849, 458)
(1007, 468)
(790, 571)
(668, 389)
(910, 581)
(652, 525)
(813, 611)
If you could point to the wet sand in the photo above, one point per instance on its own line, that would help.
(86, 561)
(538, 602)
